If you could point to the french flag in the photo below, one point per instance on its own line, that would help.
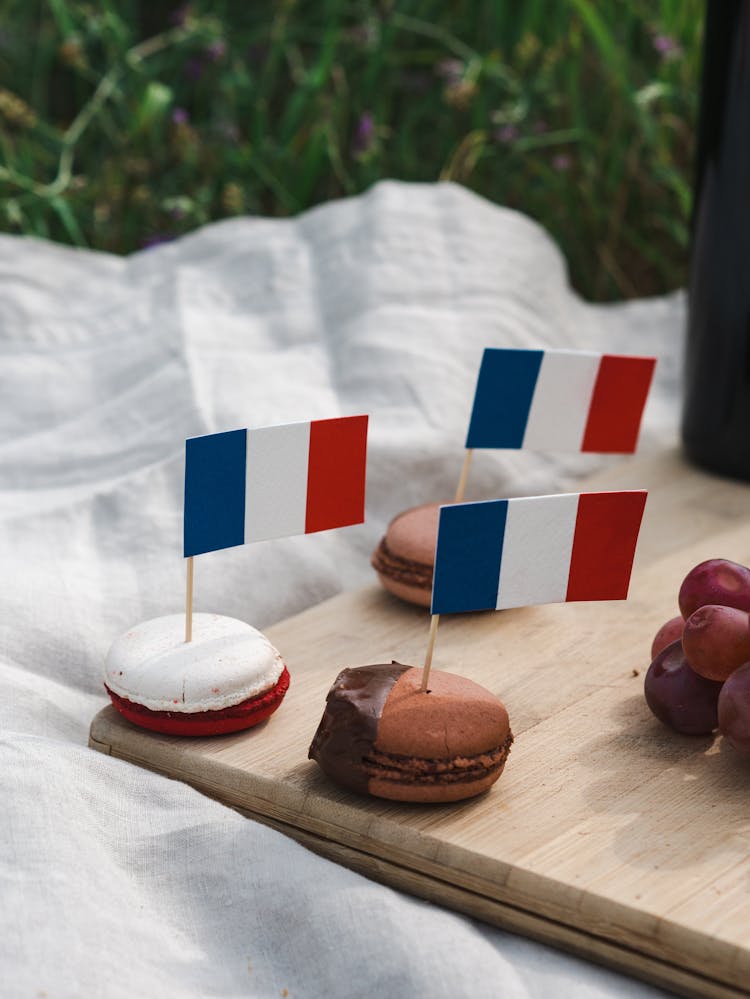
(535, 550)
(559, 400)
(273, 482)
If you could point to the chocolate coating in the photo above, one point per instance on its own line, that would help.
(349, 726)
(404, 570)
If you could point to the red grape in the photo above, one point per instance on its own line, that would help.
(669, 632)
(716, 640)
(734, 709)
(678, 696)
(717, 581)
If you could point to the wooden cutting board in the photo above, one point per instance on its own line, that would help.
(607, 835)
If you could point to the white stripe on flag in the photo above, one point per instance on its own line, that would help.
(537, 546)
(276, 481)
(562, 397)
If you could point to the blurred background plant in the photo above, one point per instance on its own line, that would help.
(123, 124)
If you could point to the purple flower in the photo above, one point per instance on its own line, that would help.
(451, 70)
(364, 134)
(506, 134)
(180, 116)
(540, 127)
(666, 46)
(156, 240)
(194, 68)
(561, 162)
(216, 51)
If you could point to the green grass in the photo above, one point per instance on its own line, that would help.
(123, 123)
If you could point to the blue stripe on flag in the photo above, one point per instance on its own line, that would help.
(467, 556)
(214, 492)
(505, 388)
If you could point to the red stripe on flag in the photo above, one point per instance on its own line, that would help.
(336, 473)
(604, 542)
(617, 402)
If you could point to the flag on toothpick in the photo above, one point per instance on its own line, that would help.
(559, 400)
(535, 550)
(273, 482)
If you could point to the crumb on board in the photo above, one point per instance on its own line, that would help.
(635, 672)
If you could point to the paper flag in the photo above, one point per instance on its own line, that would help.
(559, 400)
(273, 482)
(535, 550)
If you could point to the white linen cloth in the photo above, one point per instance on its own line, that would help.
(115, 882)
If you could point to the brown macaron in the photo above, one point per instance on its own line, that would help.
(381, 735)
(405, 558)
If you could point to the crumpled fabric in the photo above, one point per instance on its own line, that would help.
(116, 882)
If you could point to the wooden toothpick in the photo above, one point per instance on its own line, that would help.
(461, 487)
(435, 618)
(434, 621)
(189, 601)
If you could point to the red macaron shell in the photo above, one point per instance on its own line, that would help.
(235, 718)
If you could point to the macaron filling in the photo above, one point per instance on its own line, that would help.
(413, 769)
(401, 570)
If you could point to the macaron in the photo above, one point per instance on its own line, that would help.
(228, 678)
(381, 735)
(405, 558)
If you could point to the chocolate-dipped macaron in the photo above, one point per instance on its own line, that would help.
(405, 558)
(381, 735)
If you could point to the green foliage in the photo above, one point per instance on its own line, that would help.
(123, 123)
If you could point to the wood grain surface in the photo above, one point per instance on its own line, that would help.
(607, 835)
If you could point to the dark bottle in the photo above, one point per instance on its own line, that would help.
(716, 411)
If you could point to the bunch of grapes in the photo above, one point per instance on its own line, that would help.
(699, 679)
